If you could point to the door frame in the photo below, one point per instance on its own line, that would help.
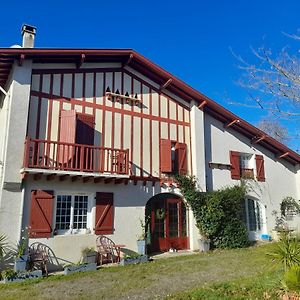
(161, 244)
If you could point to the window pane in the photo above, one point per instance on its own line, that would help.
(63, 212)
(80, 212)
(254, 215)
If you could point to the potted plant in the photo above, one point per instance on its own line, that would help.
(89, 255)
(21, 257)
(141, 240)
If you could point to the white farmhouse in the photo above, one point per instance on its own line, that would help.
(89, 139)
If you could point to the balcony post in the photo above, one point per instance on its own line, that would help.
(81, 158)
(26, 152)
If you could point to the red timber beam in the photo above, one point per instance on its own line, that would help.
(81, 60)
(64, 177)
(119, 180)
(110, 179)
(229, 124)
(202, 104)
(256, 140)
(51, 176)
(130, 58)
(98, 179)
(21, 60)
(75, 178)
(37, 176)
(87, 179)
(166, 84)
(283, 155)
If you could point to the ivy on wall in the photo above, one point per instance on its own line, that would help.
(219, 214)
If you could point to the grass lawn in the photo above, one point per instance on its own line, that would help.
(228, 274)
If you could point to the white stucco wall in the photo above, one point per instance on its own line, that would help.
(11, 190)
(129, 207)
(280, 175)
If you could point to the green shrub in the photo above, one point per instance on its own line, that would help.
(291, 280)
(219, 214)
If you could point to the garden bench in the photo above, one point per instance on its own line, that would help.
(107, 250)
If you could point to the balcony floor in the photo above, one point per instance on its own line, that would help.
(36, 171)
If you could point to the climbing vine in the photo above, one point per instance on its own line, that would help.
(219, 214)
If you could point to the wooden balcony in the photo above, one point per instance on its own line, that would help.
(60, 156)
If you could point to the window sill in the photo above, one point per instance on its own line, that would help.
(72, 232)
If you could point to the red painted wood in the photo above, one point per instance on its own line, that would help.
(85, 158)
(260, 168)
(105, 108)
(41, 214)
(150, 137)
(181, 158)
(235, 165)
(67, 134)
(161, 237)
(104, 221)
(165, 156)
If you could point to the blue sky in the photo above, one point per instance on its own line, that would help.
(191, 39)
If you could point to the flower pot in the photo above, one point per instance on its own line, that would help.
(21, 263)
(89, 258)
(204, 245)
(141, 244)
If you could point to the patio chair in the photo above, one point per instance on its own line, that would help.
(107, 250)
(40, 255)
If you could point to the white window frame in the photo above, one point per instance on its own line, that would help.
(249, 158)
(256, 235)
(71, 230)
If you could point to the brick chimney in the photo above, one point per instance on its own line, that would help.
(28, 34)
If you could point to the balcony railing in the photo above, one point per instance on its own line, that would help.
(43, 154)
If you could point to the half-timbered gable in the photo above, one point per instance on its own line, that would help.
(129, 112)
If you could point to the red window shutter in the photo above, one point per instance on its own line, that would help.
(260, 168)
(235, 165)
(181, 158)
(67, 126)
(85, 126)
(41, 214)
(67, 135)
(104, 221)
(165, 156)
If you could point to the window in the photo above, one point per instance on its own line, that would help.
(254, 215)
(72, 213)
(247, 165)
(173, 157)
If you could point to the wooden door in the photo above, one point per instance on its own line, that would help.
(168, 225)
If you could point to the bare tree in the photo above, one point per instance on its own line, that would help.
(273, 81)
(274, 128)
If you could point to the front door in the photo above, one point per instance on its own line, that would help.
(168, 225)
